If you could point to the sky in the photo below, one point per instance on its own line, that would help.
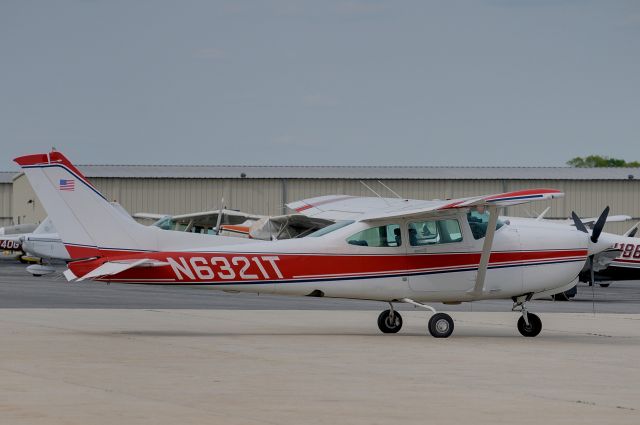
(332, 82)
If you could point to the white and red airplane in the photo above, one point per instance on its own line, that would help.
(407, 251)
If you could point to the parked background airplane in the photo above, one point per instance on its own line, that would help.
(624, 266)
(11, 242)
(621, 263)
(226, 222)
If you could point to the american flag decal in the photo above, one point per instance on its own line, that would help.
(68, 184)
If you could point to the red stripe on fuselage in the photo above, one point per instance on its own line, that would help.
(231, 268)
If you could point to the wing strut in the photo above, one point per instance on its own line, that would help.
(486, 250)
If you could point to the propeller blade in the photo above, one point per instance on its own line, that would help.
(597, 228)
(579, 224)
(632, 233)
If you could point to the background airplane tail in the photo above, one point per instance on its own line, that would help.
(89, 225)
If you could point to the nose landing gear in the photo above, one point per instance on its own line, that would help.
(529, 324)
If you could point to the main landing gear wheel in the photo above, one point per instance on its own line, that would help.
(441, 325)
(389, 321)
(533, 328)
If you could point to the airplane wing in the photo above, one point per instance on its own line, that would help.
(344, 207)
(150, 216)
(589, 222)
(300, 220)
(411, 208)
(287, 226)
(214, 214)
(110, 268)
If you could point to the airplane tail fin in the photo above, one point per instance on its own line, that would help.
(89, 225)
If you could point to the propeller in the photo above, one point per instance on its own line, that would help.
(579, 224)
(597, 228)
(595, 235)
(632, 233)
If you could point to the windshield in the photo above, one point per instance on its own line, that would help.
(335, 226)
(165, 223)
(479, 220)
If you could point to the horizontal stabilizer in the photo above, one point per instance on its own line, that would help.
(69, 275)
(111, 268)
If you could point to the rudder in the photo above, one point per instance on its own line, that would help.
(89, 225)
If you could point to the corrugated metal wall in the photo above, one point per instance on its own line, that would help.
(267, 196)
(5, 204)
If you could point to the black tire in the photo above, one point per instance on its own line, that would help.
(604, 285)
(387, 325)
(441, 325)
(534, 328)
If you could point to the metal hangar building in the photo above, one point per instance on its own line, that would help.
(175, 189)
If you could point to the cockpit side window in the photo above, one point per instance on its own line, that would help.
(479, 220)
(382, 236)
(434, 232)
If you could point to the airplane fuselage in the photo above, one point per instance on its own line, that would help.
(527, 257)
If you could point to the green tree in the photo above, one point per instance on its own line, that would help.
(600, 161)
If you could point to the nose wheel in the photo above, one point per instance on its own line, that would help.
(529, 324)
(532, 328)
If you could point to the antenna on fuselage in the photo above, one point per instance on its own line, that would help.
(390, 190)
(375, 193)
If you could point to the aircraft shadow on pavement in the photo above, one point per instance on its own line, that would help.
(556, 337)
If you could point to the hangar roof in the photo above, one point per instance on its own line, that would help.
(350, 172)
(358, 172)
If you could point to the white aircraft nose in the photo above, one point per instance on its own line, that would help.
(605, 241)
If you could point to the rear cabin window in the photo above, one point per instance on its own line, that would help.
(383, 236)
(434, 232)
